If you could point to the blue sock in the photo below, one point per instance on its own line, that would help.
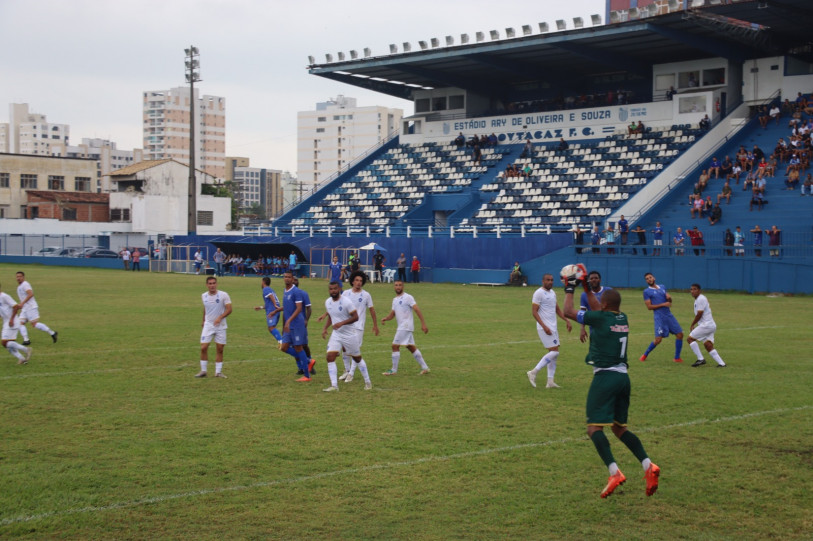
(292, 352)
(678, 347)
(303, 358)
(276, 334)
(650, 348)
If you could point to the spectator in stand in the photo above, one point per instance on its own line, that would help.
(770, 169)
(641, 232)
(807, 186)
(595, 239)
(697, 207)
(708, 204)
(670, 93)
(762, 167)
(714, 167)
(492, 140)
(774, 240)
(528, 149)
(726, 166)
(781, 150)
(641, 127)
(578, 238)
(763, 117)
(793, 180)
(735, 173)
(473, 141)
(632, 128)
(725, 193)
(775, 113)
(757, 240)
(748, 183)
(716, 214)
(623, 229)
(476, 154)
(705, 123)
(739, 240)
(728, 242)
(657, 238)
(757, 152)
(742, 158)
(703, 181)
(697, 191)
(527, 170)
(756, 199)
(460, 140)
(679, 240)
(794, 164)
(563, 144)
(609, 239)
(696, 238)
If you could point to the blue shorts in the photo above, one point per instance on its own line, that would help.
(667, 324)
(272, 322)
(297, 337)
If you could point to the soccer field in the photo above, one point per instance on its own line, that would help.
(107, 434)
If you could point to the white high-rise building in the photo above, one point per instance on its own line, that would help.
(166, 129)
(30, 133)
(337, 132)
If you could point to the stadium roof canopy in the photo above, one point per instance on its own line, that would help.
(739, 31)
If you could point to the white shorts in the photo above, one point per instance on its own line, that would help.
(360, 334)
(210, 331)
(29, 313)
(703, 333)
(548, 340)
(349, 343)
(403, 338)
(10, 333)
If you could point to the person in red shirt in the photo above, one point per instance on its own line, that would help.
(416, 270)
(696, 237)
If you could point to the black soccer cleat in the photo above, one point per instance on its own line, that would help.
(699, 362)
(53, 336)
(27, 342)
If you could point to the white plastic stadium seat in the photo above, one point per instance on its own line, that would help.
(389, 275)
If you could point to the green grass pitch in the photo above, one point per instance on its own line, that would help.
(107, 434)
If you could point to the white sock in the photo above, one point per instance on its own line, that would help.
(353, 366)
(646, 463)
(613, 468)
(24, 333)
(419, 358)
(552, 356)
(696, 349)
(716, 357)
(332, 371)
(14, 351)
(363, 369)
(203, 365)
(347, 365)
(396, 356)
(218, 367)
(543, 362)
(14, 345)
(43, 327)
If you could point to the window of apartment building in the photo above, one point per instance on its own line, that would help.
(82, 184)
(119, 215)
(28, 182)
(3, 211)
(206, 217)
(69, 214)
(56, 182)
(34, 212)
(320, 130)
(4, 180)
(321, 119)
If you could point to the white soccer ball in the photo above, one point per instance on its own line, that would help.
(572, 270)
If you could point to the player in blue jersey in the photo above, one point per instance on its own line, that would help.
(307, 310)
(659, 301)
(272, 308)
(293, 330)
(594, 283)
(335, 271)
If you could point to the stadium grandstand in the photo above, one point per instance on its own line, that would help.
(520, 140)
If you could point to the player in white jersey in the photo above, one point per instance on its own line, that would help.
(362, 301)
(545, 309)
(29, 310)
(216, 308)
(403, 305)
(703, 327)
(342, 315)
(11, 324)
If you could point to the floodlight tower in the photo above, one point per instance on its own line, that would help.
(192, 76)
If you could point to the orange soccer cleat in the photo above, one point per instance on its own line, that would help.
(652, 475)
(613, 483)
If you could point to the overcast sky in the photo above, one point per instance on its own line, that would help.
(86, 62)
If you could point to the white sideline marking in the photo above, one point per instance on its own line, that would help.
(372, 467)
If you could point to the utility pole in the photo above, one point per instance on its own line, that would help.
(192, 76)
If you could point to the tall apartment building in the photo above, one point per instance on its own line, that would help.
(166, 128)
(30, 133)
(255, 186)
(108, 158)
(337, 132)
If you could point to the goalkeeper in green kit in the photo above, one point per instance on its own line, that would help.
(608, 399)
